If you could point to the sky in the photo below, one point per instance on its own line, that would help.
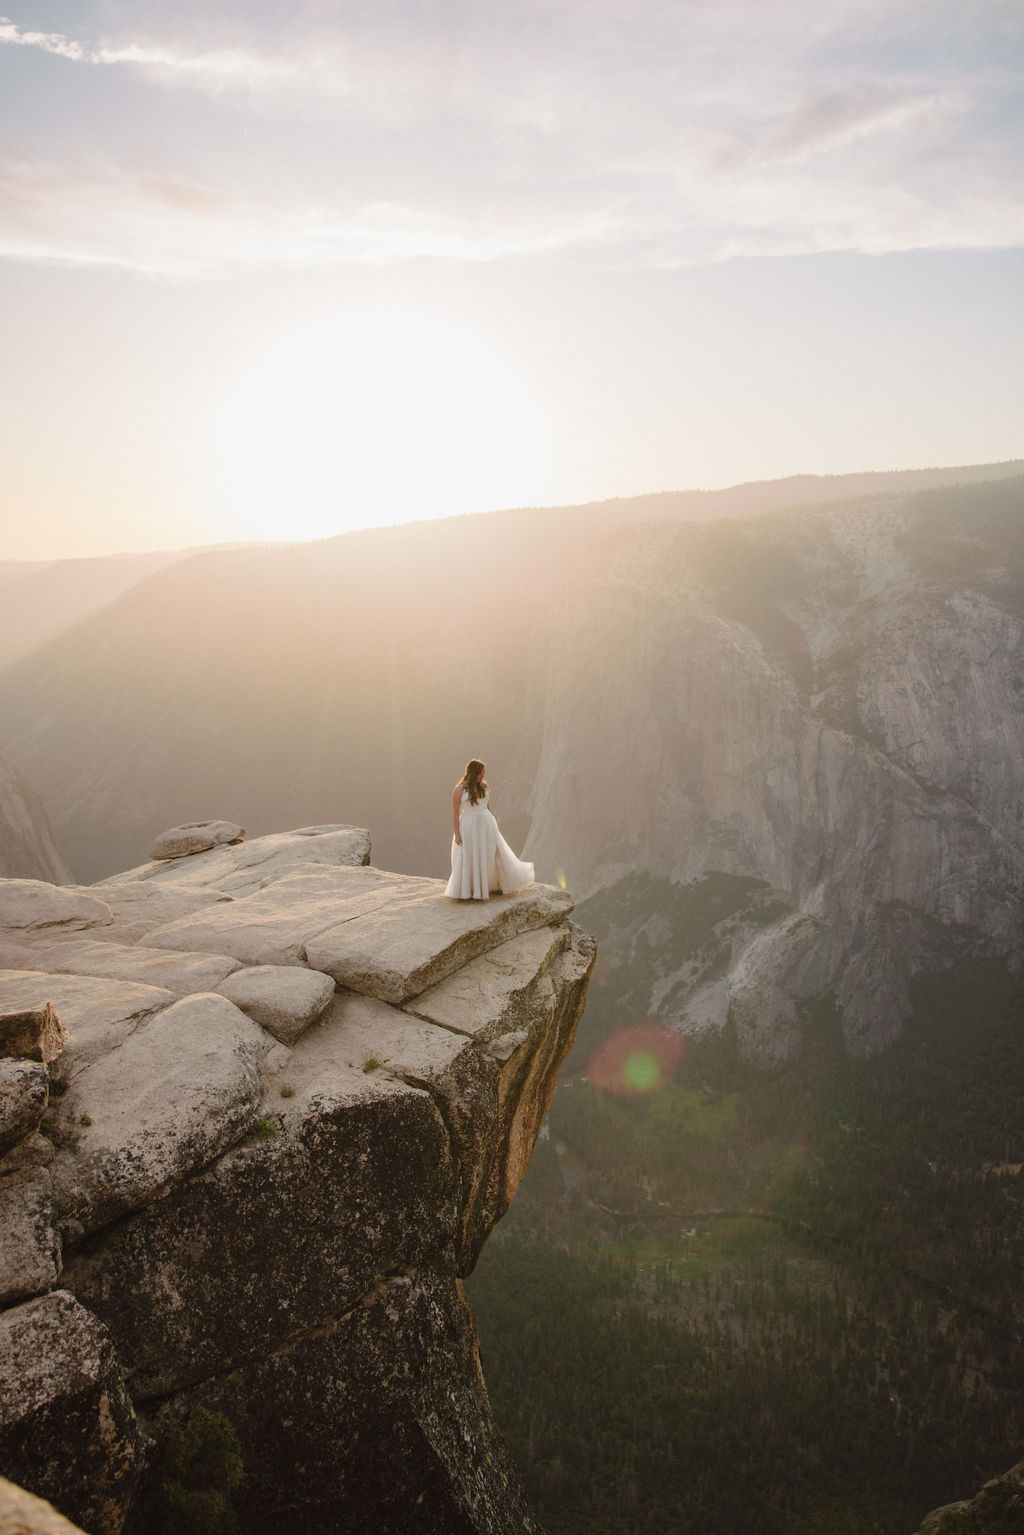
(273, 273)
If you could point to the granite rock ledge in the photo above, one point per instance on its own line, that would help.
(295, 1095)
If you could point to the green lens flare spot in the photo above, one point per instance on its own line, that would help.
(641, 1071)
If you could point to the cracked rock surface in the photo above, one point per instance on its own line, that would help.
(260, 1180)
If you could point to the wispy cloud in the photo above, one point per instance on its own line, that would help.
(170, 227)
(665, 132)
(218, 68)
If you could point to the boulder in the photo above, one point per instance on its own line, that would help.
(67, 1429)
(30, 1250)
(195, 837)
(33, 1033)
(32, 904)
(23, 1514)
(24, 1089)
(283, 998)
(181, 1089)
(34, 1151)
(250, 866)
(183, 974)
(98, 1014)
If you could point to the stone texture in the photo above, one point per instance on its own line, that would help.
(23, 1514)
(67, 1429)
(277, 1238)
(98, 1014)
(140, 905)
(388, 935)
(250, 866)
(181, 1089)
(418, 938)
(31, 904)
(182, 974)
(33, 1151)
(24, 1089)
(33, 1033)
(490, 995)
(195, 837)
(30, 1251)
(413, 1446)
(283, 999)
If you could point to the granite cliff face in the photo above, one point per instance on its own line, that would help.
(829, 702)
(260, 1107)
(27, 847)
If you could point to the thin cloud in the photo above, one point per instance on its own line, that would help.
(165, 227)
(217, 68)
(661, 133)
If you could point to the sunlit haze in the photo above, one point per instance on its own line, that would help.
(275, 275)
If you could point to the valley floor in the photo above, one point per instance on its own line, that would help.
(780, 1304)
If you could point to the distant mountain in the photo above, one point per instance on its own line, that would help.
(824, 697)
(27, 847)
(41, 598)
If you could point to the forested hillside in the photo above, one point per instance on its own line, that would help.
(781, 1302)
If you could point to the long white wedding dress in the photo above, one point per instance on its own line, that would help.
(484, 862)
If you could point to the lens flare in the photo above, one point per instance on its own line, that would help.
(637, 1060)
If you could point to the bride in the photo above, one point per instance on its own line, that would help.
(482, 860)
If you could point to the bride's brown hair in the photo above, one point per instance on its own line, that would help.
(473, 780)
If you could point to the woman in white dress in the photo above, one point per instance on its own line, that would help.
(482, 860)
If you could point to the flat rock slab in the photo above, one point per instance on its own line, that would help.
(140, 905)
(98, 1014)
(23, 1514)
(184, 974)
(32, 904)
(24, 1090)
(195, 837)
(273, 926)
(388, 935)
(181, 1089)
(395, 951)
(33, 1033)
(487, 997)
(67, 1428)
(284, 999)
(30, 1249)
(372, 1037)
(250, 866)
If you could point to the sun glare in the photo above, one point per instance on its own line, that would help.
(375, 418)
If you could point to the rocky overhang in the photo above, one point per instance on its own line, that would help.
(290, 1096)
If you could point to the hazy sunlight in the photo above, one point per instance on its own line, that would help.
(375, 418)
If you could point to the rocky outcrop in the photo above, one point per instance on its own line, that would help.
(27, 846)
(258, 1184)
(997, 1509)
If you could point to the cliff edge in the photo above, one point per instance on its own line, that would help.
(260, 1107)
